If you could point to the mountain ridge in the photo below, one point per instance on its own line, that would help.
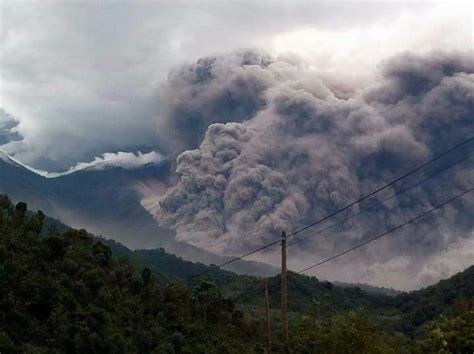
(406, 312)
(417, 306)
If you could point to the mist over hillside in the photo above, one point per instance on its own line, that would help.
(106, 202)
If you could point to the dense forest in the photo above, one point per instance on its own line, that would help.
(66, 291)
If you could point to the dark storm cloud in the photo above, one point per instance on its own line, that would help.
(300, 150)
(82, 73)
(8, 125)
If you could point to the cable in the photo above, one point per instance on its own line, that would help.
(437, 157)
(381, 188)
(257, 287)
(386, 232)
(248, 253)
(384, 200)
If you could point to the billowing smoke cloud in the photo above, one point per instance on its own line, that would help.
(301, 145)
(90, 75)
(434, 266)
(214, 90)
(127, 160)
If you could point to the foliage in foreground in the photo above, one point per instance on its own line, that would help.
(450, 334)
(350, 332)
(65, 293)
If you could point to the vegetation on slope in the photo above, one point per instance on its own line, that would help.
(64, 292)
(429, 303)
(107, 202)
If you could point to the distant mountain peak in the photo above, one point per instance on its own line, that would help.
(5, 157)
(123, 160)
(12, 161)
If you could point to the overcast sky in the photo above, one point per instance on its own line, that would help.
(81, 77)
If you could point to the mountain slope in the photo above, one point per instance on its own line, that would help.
(406, 311)
(245, 289)
(401, 311)
(307, 295)
(426, 304)
(106, 202)
(65, 293)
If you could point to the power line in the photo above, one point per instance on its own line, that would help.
(382, 188)
(403, 190)
(248, 253)
(386, 232)
(437, 157)
(416, 218)
(373, 238)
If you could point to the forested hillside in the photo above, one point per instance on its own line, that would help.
(428, 303)
(65, 291)
(107, 203)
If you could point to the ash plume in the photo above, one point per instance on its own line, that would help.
(276, 145)
(214, 90)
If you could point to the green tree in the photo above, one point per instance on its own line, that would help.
(66, 293)
(205, 295)
(349, 332)
(450, 334)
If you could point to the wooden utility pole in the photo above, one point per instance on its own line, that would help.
(284, 293)
(267, 313)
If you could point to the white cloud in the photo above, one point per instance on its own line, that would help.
(126, 160)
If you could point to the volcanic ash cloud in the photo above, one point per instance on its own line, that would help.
(278, 145)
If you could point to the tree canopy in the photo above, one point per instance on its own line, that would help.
(70, 292)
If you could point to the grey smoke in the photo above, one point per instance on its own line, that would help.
(298, 150)
(214, 90)
(81, 74)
